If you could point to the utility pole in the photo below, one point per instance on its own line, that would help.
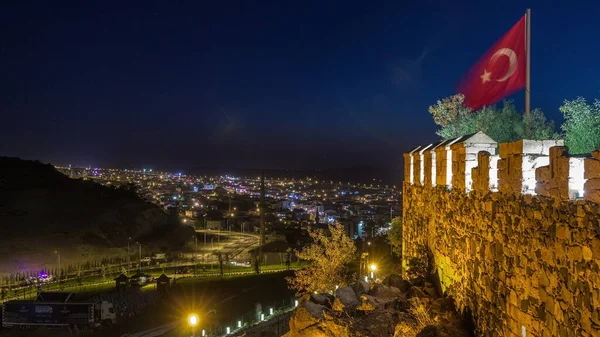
(140, 256)
(528, 60)
(261, 211)
(57, 253)
(129, 253)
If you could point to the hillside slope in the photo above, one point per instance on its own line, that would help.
(42, 210)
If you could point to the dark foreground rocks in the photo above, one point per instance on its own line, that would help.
(392, 308)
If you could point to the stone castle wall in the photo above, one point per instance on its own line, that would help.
(525, 261)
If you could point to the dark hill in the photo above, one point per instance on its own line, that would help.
(42, 210)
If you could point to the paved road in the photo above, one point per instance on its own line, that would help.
(234, 243)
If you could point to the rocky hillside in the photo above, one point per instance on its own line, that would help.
(395, 308)
(42, 210)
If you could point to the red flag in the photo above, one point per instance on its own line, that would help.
(500, 72)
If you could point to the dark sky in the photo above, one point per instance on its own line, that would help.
(290, 84)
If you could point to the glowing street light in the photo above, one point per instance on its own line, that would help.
(373, 267)
(193, 319)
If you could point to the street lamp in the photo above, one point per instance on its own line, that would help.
(57, 253)
(193, 322)
(196, 238)
(129, 253)
(140, 255)
(193, 319)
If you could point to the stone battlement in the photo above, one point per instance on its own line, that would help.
(534, 167)
(514, 236)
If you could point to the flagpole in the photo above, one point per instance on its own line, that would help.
(528, 57)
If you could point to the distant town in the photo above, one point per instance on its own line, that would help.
(232, 203)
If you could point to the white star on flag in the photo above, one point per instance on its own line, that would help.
(485, 77)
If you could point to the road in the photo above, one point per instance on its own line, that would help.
(236, 244)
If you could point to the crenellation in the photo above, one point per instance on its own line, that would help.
(481, 173)
(592, 176)
(552, 179)
(522, 167)
(521, 251)
(517, 261)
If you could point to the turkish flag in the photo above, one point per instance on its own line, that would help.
(500, 72)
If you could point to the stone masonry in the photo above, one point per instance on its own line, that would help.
(522, 264)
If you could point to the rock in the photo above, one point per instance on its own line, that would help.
(347, 296)
(361, 287)
(305, 315)
(418, 292)
(337, 305)
(383, 291)
(404, 286)
(314, 309)
(431, 331)
(366, 307)
(322, 299)
(376, 323)
(393, 280)
(430, 291)
(399, 304)
(445, 304)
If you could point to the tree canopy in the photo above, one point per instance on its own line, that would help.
(504, 124)
(395, 236)
(582, 125)
(330, 254)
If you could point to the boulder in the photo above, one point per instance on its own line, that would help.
(418, 292)
(430, 291)
(307, 314)
(376, 323)
(361, 287)
(432, 331)
(337, 305)
(383, 291)
(394, 280)
(347, 296)
(445, 304)
(404, 286)
(322, 299)
(398, 304)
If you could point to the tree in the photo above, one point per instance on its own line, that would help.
(330, 254)
(582, 125)
(505, 124)
(219, 256)
(395, 236)
(536, 126)
(448, 110)
(256, 261)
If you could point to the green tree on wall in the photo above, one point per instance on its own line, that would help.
(582, 125)
(503, 124)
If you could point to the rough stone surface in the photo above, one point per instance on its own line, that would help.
(322, 299)
(361, 287)
(347, 296)
(394, 280)
(383, 291)
(512, 260)
(305, 315)
(376, 316)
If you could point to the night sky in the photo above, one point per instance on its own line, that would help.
(283, 84)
